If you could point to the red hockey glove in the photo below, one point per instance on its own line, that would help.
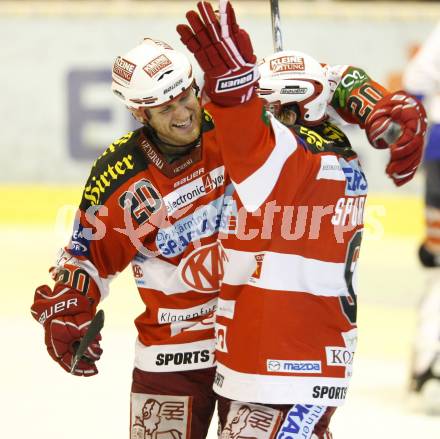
(66, 315)
(224, 52)
(398, 122)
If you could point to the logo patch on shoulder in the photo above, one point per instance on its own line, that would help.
(356, 180)
(330, 169)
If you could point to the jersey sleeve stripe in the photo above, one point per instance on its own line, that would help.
(255, 189)
(102, 283)
(287, 272)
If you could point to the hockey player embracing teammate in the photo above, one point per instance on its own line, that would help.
(286, 316)
(290, 226)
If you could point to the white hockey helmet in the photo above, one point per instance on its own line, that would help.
(151, 74)
(294, 78)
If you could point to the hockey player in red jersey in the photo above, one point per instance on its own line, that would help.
(153, 200)
(286, 316)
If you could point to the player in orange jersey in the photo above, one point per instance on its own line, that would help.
(286, 316)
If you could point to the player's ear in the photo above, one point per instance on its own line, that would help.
(142, 115)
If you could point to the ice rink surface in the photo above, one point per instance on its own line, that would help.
(40, 400)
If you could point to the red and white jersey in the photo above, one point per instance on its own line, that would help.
(163, 218)
(290, 237)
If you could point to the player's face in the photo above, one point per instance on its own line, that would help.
(178, 122)
(287, 117)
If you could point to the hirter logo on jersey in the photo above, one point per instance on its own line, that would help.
(287, 64)
(123, 69)
(156, 65)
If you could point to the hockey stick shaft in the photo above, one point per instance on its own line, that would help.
(276, 26)
(93, 330)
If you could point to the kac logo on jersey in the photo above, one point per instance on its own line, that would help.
(203, 268)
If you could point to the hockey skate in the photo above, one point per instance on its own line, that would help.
(426, 388)
(425, 373)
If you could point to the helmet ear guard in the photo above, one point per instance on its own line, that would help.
(294, 81)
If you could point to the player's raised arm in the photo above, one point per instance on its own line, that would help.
(254, 145)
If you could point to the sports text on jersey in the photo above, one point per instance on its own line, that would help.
(192, 191)
(177, 358)
(349, 211)
(329, 392)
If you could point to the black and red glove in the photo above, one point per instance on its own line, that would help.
(398, 122)
(66, 315)
(223, 51)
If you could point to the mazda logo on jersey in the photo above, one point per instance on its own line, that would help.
(273, 365)
(203, 268)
